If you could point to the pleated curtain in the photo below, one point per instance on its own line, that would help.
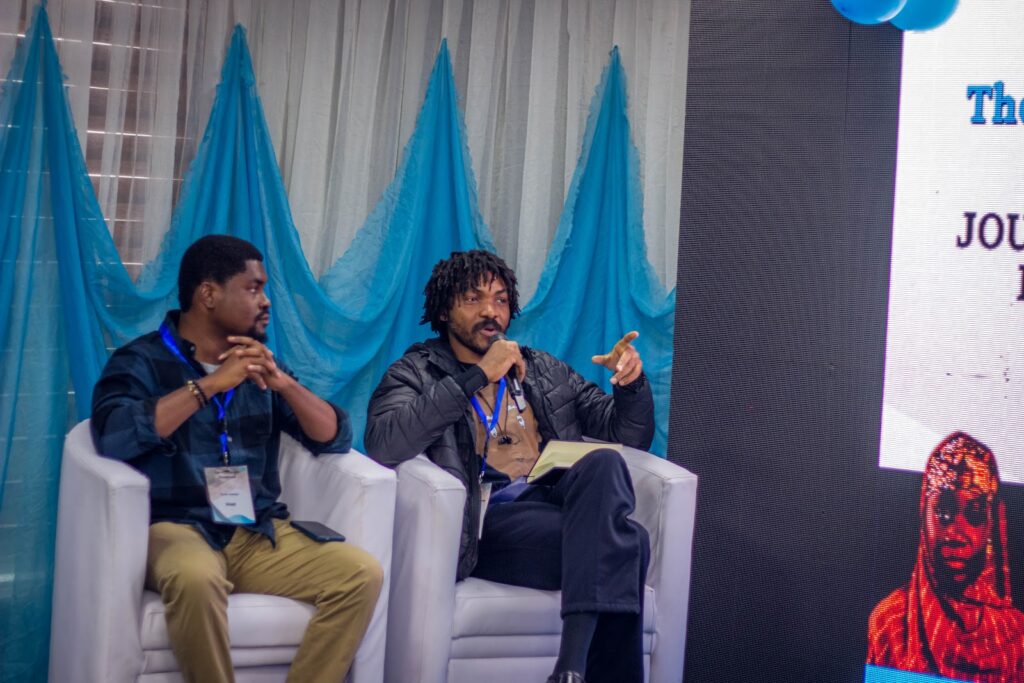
(341, 82)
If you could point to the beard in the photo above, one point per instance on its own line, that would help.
(255, 333)
(469, 343)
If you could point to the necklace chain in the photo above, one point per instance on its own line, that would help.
(502, 425)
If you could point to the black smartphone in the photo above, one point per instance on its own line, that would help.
(317, 531)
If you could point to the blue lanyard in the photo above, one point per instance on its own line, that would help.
(489, 425)
(222, 407)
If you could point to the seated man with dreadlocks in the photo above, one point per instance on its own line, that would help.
(448, 397)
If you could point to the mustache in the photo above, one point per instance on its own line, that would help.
(492, 322)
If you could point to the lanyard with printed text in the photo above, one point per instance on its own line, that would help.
(490, 425)
(222, 407)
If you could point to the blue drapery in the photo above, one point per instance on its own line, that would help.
(597, 283)
(35, 216)
(66, 299)
(339, 334)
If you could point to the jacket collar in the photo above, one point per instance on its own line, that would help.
(439, 352)
(171, 320)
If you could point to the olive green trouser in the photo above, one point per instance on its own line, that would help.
(194, 580)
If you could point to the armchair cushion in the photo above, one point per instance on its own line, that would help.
(485, 608)
(254, 620)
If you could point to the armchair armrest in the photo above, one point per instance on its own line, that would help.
(428, 527)
(348, 492)
(666, 499)
(100, 565)
(352, 494)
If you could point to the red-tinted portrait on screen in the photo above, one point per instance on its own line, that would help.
(955, 617)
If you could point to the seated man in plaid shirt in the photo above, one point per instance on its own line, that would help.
(198, 406)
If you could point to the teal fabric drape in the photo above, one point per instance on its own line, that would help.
(597, 283)
(66, 299)
(339, 334)
(36, 139)
(429, 211)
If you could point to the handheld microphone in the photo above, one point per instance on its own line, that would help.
(515, 387)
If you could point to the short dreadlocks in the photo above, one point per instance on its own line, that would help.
(459, 273)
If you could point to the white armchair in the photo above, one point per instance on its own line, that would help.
(106, 628)
(443, 631)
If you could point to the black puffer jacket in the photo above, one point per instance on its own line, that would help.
(419, 407)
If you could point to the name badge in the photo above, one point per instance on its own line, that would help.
(227, 489)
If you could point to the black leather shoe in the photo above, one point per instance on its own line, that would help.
(566, 677)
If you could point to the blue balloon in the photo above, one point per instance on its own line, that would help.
(869, 11)
(924, 15)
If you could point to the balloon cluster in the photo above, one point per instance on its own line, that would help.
(909, 15)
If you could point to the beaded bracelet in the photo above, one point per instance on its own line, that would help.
(206, 399)
(196, 392)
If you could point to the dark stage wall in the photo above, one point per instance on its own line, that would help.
(787, 197)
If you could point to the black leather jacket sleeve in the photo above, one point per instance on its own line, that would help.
(626, 416)
(409, 412)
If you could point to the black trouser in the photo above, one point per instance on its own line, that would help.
(575, 536)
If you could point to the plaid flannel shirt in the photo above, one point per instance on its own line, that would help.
(123, 410)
